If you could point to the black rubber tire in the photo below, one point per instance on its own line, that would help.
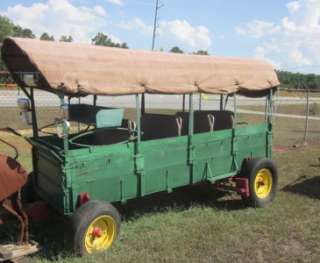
(84, 216)
(250, 169)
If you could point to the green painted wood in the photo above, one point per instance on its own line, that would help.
(113, 173)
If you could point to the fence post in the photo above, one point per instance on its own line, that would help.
(307, 116)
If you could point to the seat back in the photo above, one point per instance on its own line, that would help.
(157, 126)
(207, 121)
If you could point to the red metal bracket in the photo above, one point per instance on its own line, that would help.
(242, 186)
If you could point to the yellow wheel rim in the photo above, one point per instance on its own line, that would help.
(263, 183)
(100, 234)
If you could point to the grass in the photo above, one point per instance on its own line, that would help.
(289, 109)
(200, 224)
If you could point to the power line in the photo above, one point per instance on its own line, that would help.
(159, 5)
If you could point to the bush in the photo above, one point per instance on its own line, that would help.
(315, 109)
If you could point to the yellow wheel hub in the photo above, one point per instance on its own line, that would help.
(100, 234)
(263, 183)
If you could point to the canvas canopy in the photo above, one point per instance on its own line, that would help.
(84, 69)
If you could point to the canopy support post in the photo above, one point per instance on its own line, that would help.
(226, 102)
(95, 99)
(138, 121)
(143, 104)
(190, 132)
(139, 160)
(200, 101)
(234, 133)
(34, 115)
(221, 102)
(64, 107)
(184, 103)
(235, 106)
(269, 124)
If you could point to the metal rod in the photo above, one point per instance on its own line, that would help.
(138, 120)
(226, 102)
(143, 104)
(221, 102)
(270, 108)
(305, 138)
(79, 102)
(184, 103)
(235, 110)
(64, 107)
(191, 115)
(95, 99)
(34, 115)
(200, 101)
(266, 109)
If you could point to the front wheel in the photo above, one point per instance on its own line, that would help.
(263, 180)
(96, 226)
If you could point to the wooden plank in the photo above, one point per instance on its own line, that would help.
(11, 251)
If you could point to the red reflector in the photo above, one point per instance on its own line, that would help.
(83, 198)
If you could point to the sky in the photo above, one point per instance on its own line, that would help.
(284, 32)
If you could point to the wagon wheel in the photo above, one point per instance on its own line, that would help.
(95, 226)
(263, 180)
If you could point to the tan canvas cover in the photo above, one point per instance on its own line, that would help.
(82, 69)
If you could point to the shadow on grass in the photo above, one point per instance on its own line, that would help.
(181, 199)
(305, 186)
(52, 234)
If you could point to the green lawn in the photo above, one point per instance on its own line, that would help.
(199, 224)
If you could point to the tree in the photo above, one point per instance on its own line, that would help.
(66, 39)
(201, 52)
(6, 28)
(124, 45)
(18, 31)
(46, 37)
(102, 39)
(176, 50)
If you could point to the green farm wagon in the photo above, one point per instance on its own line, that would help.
(81, 172)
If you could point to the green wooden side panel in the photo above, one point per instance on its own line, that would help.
(212, 155)
(113, 173)
(165, 164)
(106, 175)
(49, 179)
(251, 141)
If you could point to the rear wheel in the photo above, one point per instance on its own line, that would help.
(263, 180)
(96, 226)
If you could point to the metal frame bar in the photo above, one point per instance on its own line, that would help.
(221, 102)
(143, 104)
(138, 121)
(190, 130)
(64, 106)
(184, 103)
(235, 110)
(33, 111)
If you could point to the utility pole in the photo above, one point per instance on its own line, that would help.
(159, 5)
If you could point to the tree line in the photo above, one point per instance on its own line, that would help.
(291, 80)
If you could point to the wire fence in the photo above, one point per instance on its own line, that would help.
(296, 119)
